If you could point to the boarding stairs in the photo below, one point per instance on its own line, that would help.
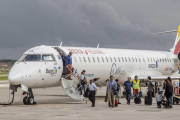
(70, 87)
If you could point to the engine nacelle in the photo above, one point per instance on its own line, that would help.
(178, 55)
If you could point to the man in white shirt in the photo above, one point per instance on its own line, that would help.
(92, 92)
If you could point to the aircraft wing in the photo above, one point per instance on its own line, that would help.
(159, 77)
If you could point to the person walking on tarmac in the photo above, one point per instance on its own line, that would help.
(136, 85)
(69, 64)
(92, 92)
(127, 89)
(168, 93)
(112, 85)
(118, 91)
(150, 90)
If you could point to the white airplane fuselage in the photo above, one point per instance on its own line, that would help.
(100, 63)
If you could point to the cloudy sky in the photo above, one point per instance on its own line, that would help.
(125, 24)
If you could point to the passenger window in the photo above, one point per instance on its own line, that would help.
(167, 60)
(119, 59)
(114, 59)
(148, 59)
(132, 59)
(111, 59)
(154, 60)
(93, 59)
(136, 59)
(98, 59)
(84, 59)
(139, 60)
(33, 58)
(162, 60)
(75, 59)
(143, 60)
(170, 59)
(80, 59)
(122, 59)
(151, 59)
(107, 59)
(89, 59)
(102, 59)
(47, 57)
(129, 59)
(157, 60)
(126, 59)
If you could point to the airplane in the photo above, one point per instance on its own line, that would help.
(42, 67)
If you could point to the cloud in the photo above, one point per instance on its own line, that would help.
(111, 23)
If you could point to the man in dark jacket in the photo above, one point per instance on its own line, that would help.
(150, 90)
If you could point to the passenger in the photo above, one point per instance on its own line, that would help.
(118, 91)
(112, 85)
(127, 88)
(69, 64)
(168, 93)
(150, 90)
(82, 81)
(136, 85)
(159, 99)
(172, 96)
(63, 58)
(92, 92)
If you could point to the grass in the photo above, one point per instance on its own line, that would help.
(3, 78)
(3, 71)
(4, 74)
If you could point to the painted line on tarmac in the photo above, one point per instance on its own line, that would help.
(4, 85)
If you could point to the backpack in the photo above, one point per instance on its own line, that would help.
(170, 89)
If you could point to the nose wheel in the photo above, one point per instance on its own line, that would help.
(29, 99)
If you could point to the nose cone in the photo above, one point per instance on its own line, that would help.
(15, 75)
(14, 79)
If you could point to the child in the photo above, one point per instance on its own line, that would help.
(158, 99)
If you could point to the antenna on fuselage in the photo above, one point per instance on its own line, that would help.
(98, 46)
(164, 32)
(60, 44)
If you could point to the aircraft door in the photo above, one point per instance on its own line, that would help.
(52, 68)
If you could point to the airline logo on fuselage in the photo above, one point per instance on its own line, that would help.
(86, 51)
(153, 65)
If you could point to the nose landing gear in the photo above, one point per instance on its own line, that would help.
(29, 98)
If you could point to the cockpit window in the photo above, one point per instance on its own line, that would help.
(22, 58)
(47, 57)
(32, 58)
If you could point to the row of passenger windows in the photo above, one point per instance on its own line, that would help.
(120, 59)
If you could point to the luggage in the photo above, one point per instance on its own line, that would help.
(137, 100)
(86, 94)
(140, 94)
(170, 89)
(124, 93)
(146, 100)
(116, 103)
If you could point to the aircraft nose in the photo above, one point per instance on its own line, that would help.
(14, 79)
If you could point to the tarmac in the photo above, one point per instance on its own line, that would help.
(53, 103)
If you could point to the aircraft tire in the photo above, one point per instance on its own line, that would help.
(30, 101)
(25, 100)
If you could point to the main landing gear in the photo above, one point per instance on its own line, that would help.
(29, 98)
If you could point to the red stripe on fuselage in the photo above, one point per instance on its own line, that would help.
(177, 48)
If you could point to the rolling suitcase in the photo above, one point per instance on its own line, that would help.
(116, 103)
(146, 100)
(137, 100)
